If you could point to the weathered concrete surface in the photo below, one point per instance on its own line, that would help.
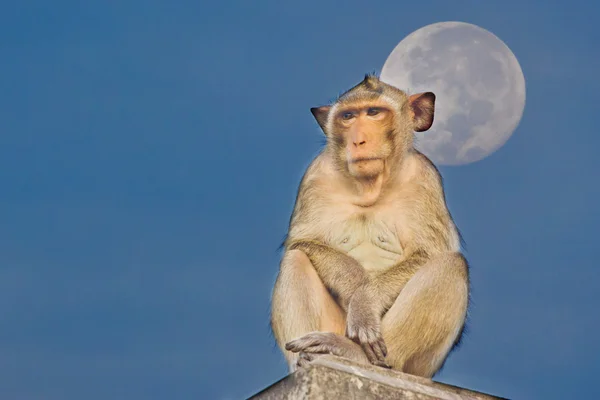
(330, 377)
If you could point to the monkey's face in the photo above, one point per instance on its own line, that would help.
(364, 137)
(373, 124)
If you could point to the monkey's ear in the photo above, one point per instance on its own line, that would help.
(320, 114)
(422, 106)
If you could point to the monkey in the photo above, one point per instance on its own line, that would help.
(372, 268)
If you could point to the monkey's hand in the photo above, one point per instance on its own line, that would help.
(363, 326)
(315, 344)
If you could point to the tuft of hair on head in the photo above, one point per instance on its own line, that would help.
(367, 89)
(371, 82)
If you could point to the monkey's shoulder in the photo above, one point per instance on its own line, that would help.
(419, 169)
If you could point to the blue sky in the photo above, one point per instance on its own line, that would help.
(149, 158)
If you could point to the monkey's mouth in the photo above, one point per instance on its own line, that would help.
(363, 159)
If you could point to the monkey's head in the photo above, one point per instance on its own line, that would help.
(372, 125)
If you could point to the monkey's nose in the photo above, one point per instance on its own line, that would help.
(360, 143)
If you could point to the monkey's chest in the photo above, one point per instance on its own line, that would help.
(375, 246)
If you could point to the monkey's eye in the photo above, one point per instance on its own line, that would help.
(373, 111)
(347, 115)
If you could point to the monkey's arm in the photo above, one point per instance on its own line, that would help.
(344, 276)
(340, 273)
(385, 287)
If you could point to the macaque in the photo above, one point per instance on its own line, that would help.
(372, 269)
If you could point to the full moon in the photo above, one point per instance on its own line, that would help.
(478, 83)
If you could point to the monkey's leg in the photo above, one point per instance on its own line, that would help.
(425, 320)
(301, 304)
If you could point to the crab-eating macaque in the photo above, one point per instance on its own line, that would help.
(372, 269)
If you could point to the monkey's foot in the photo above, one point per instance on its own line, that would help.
(306, 358)
(314, 344)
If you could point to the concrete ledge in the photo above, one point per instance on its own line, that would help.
(330, 377)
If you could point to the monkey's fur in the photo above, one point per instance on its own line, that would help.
(372, 268)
